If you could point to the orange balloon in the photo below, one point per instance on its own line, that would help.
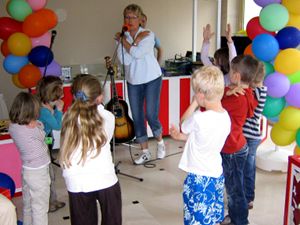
(4, 48)
(35, 25)
(50, 17)
(29, 75)
(16, 82)
(248, 50)
(19, 44)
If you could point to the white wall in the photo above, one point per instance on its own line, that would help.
(86, 36)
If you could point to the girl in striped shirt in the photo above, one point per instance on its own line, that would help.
(252, 133)
(29, 136)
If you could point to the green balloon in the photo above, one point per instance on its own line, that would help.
(269, 68)
(273, 17)
(294, 78)
(298, 137)
(273, 107)
(19, 9)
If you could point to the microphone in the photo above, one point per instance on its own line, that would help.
(124, 29)
(53, 34)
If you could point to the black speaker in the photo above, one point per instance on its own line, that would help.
(240, 42)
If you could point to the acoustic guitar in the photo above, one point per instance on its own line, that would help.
(124, 129)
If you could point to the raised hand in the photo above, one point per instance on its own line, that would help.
(207, 34)
(228, 33)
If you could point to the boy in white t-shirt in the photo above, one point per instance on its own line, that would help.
(205, 134)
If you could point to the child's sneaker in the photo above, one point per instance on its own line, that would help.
(161, 151)
(145, 157)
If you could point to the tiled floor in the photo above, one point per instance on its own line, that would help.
(157, 199)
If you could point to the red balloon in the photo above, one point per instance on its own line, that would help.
(254, 28)
(4, 48)
(9, 26)
(29, 76)
(35, 25)
(50, 16)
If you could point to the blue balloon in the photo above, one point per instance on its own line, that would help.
(288, 37)
(40, 56)
(12, 64)
(265, 47)
(8, 183)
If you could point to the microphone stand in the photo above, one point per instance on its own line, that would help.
(110, 72)
(53, 34)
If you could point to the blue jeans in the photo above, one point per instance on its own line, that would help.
(147, 95)
(233, 169)
(250, 169)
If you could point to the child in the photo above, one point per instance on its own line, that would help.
(222, 56)
(252, 133)
(205, 133)
(29, 137)
(235, 151)
(50, 92)
(86, 159)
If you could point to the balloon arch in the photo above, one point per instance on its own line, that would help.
(26, 42)
(275, 37)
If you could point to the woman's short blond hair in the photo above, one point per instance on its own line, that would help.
(209, 80)
(134, 8)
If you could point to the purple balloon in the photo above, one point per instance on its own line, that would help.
(293, 95)
(264, 3)
(53, 69)
(278, 85)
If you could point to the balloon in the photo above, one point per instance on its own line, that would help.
(264, 3)
(289, 118)
(288, 37)
(281, 136)
(273, 17)
(40, 56)
(35, 25)
(49, 16)
(294, 20)
(53, 69)
(19, 9)
(37, 4)
(297, 150)
(265, 47)
(294, 78)
(268, 68)
(248, 51)
(298, 138)
(9, 26)
(293, 96)
(287, 61)
(16, 82)
(19, 44)
(273, 107)
(44, 40)
(12, 64)
(4, 49)
(278, 85)
(292, 5)
(29, 75)
(254, 28)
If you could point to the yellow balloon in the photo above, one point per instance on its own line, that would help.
(297, 150)
(289, 118)
(287, 61)
(292, 6)
(19, 44)
(16, 82)
(281, 136)
(294, 20)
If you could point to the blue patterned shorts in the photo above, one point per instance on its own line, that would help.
(203, 199)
